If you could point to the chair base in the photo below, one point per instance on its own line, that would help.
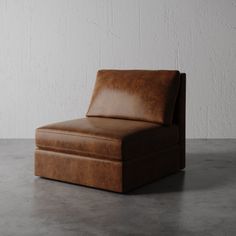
(116, 176)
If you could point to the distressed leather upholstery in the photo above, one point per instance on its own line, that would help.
(106, 138)
(134, 133)
(135, 95)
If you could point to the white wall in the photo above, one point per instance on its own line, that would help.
(50, 51)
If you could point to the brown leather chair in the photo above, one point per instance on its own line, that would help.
(133, 133)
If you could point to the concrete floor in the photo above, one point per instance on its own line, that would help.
(199, 201)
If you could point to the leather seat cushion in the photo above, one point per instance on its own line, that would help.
(136, 95)
(106, 138)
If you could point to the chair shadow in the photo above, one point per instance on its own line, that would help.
(203, 171)
(171, 183)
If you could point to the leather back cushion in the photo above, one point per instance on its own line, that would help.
(136, 95)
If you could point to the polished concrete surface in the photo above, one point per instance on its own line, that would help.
(198, 201)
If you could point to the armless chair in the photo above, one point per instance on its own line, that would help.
(133, 133)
